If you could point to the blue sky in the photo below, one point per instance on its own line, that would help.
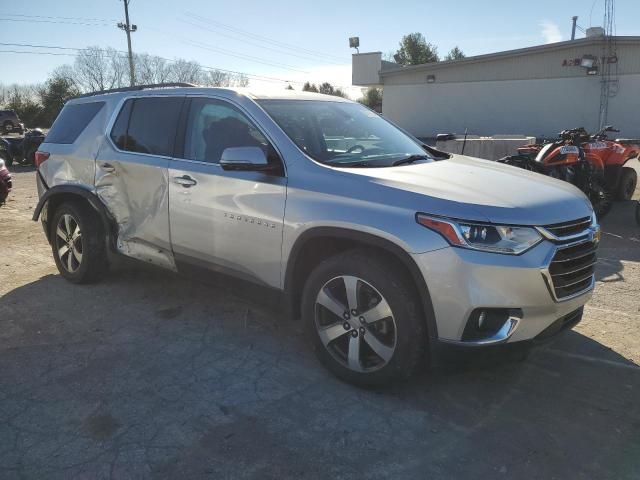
(304, 40)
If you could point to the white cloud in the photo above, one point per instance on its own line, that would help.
(550, 32)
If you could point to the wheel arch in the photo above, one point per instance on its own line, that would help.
(318, 243)
(55, 196)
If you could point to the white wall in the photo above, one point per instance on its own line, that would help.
(539, 107)
(365, 68)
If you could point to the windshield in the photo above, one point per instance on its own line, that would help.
(343, 134)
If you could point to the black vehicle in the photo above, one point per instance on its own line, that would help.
(566, 159)
(21, 149)
(9, 122)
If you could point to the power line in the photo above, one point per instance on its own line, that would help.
(60, 18)
(54, 21)
(209, 21)
(302, 56)
(231, 53)
(241, 56)
(38, 53)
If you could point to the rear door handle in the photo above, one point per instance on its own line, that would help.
(107, 167)
(186, 181)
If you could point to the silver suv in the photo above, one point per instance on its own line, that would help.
(381, 245)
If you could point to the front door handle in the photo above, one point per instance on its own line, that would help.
(186, 181)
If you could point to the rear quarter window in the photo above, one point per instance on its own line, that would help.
(71, 121)
(148, 125)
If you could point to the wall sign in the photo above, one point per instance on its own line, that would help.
(577, 62)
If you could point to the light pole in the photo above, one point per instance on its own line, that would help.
(128, 29)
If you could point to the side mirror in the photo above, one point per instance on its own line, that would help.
(244, 158)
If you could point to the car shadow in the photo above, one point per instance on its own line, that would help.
(620, 242)
(198, 375)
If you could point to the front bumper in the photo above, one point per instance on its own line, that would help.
(461, 281)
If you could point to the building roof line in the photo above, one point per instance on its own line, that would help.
(506, 54)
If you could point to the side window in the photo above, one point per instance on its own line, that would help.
(71, 121)
(214, 125)
(148, 125)
(119, 130)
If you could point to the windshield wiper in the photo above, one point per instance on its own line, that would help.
(410, 159)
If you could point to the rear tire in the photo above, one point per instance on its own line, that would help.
(627, 184)
(78, 243)
(375, 337)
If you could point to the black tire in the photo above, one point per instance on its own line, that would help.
(30, 156)
(600, 198)
(627, 184)
(397, 290)
(638, 213)
(91, 245)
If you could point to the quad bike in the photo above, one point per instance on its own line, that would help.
(610, 155)
(614, 154)
(21, 149)
(566, 159)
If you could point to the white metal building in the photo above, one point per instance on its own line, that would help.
(534, 91)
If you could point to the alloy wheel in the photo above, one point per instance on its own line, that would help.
(355, 323)
(69, 243)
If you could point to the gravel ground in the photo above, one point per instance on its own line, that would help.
(149, 375)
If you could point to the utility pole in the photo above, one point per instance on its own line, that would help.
(573, 28)
(128, 28)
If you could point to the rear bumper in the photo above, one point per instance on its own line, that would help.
(461, 281)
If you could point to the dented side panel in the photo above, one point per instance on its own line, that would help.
(134, 188)
(74, 163)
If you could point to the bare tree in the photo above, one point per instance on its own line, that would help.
(186, 71)
(151, 69)
(217, 78)
(99, 69)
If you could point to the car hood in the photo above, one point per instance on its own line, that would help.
(483, 190)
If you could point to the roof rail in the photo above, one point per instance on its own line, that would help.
(136, 88)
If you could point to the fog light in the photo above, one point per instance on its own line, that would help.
(485, 322)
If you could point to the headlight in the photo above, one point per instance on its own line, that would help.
(479, 236)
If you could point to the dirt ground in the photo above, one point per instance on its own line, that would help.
(150, 375)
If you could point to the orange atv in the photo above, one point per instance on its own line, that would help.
(567, 160)
(610, 156)
(614, 155)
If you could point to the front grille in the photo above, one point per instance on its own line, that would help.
(572, 268)
(566, 229)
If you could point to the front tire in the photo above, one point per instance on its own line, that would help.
(600, 198)
(627, 184)
(363, 318)
(78, 243)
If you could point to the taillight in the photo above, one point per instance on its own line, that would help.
(41, 157)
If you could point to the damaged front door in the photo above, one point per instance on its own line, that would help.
(132, 176)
